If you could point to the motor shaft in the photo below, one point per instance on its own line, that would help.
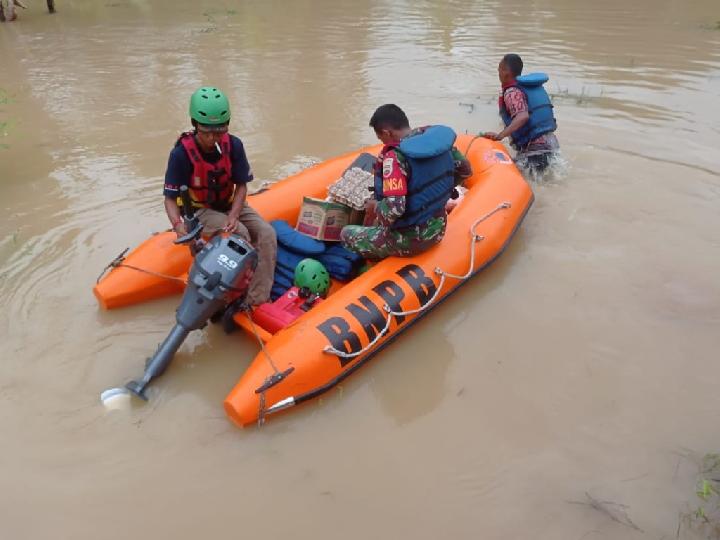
(160, 360)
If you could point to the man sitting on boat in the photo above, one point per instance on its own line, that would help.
(527, 113)
(213, 164)
(416, 174)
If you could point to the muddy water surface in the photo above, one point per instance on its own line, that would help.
(584, 361)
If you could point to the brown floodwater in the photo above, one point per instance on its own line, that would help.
(584, 361)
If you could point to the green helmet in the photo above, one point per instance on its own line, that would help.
(209, 106)
(312, 275)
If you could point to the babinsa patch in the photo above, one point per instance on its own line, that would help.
(388, 167)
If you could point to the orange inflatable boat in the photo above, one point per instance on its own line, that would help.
(359, 318)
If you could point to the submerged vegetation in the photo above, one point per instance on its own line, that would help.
(212, 16)
(5, 122)
(580, 98)
(703, 517)
(711, 26)
(614, 511)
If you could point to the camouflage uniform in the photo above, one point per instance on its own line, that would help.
(378, 242)
(381, 240)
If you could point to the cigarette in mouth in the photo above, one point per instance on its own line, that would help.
(217, 146)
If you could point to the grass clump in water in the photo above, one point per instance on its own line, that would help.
(5, 123)
(711, 26)
(580, 98)
(704, 516)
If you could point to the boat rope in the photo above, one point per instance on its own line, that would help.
(475, 138)
(261, 342)
(272, 379)
(475, 238)
(117, 262)
(261, 410)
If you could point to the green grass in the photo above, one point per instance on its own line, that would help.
(5, 123)
(711, 26)
(580, 98)
(704, 514)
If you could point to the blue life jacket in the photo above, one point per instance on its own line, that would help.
(294, 246)
(339, 251)
(341, 263)
(286, 263)
(277, 291)
(338, 267)
(294, 240)
(431, 174)
(540, 109)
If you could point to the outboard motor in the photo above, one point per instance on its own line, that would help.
(220, 276)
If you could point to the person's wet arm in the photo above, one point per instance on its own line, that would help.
(237, 206)
(518, 121)
(177, 174)
(173, 213)
(517, 107)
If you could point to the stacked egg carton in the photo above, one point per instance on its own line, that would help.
(353, 188)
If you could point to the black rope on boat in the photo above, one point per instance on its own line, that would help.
(117, 262)
(113, 264)
(276, 377)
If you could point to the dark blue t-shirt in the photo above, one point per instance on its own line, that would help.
(180, 168)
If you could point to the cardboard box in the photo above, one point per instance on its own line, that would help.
(323, 220)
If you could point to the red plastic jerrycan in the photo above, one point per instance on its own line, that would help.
(279, 314)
